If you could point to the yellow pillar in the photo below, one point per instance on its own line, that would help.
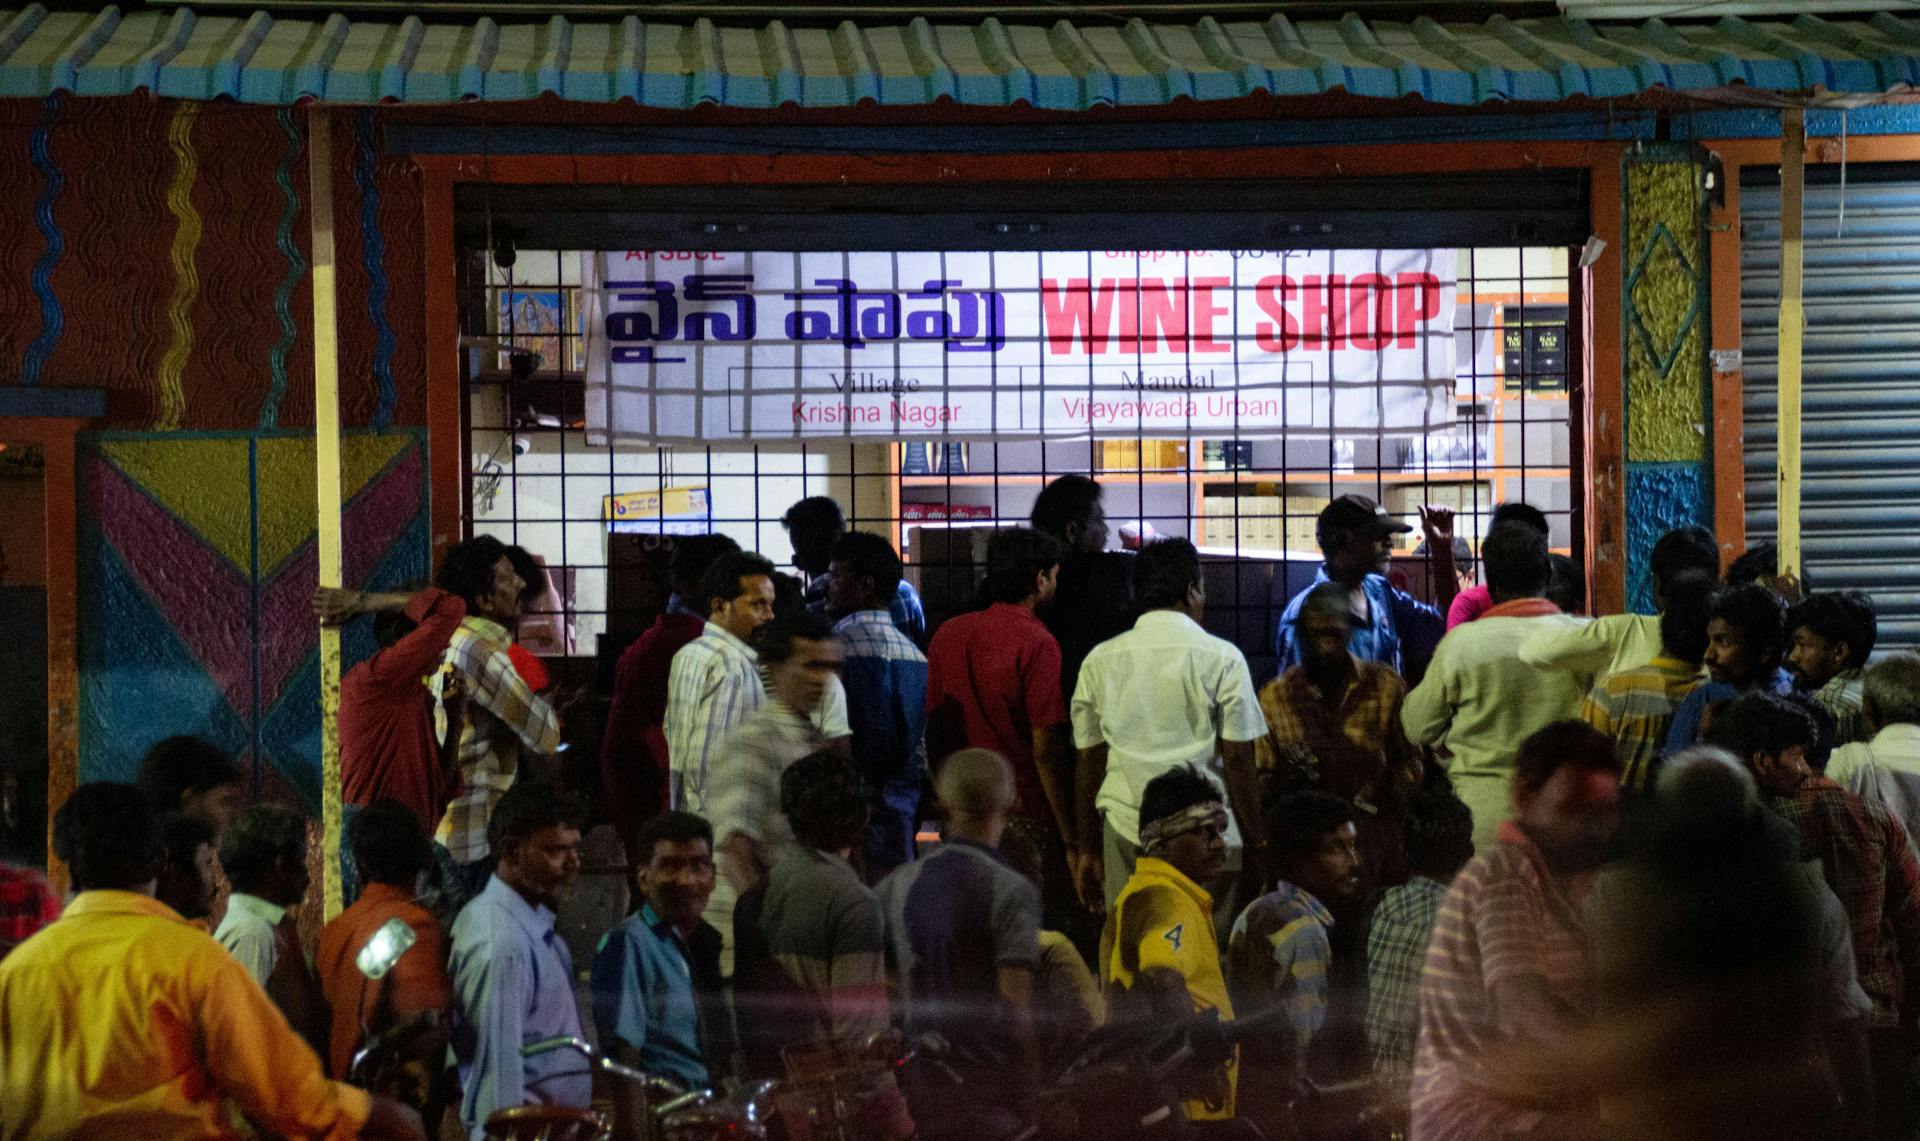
(1793, 142)
(326, 432)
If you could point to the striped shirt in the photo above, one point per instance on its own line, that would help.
(1636, 708)
(1503, 919)
(713, 685)
(503, 717)
(1396, 951)
(1277, 956)
(1843, 697)
(743, 796)
(1869, 863)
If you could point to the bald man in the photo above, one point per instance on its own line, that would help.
(965, 935)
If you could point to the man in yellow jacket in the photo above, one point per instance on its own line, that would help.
(1160, 958)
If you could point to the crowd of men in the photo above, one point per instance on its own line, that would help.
(1511, 871)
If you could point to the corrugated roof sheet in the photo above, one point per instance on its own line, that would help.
(1061, 66)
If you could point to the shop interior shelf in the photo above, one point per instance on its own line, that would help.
(1222, 475)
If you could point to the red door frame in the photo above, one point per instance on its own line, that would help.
(60, 489)
(1603, 441)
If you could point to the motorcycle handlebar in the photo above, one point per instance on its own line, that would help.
(657, 1086)
(1240, 1029)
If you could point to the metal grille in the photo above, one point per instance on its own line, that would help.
(1249, 504)
(1860, 506)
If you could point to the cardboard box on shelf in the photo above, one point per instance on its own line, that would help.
(1462, 497)
(938, 512)
(1300, 522)
(1217, 523)
(950, 560)
(1142, 455)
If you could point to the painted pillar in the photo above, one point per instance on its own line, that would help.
(1793, 143)
(326, 432)
(1665, 314)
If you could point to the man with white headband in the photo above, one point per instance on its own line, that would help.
(1159, 957)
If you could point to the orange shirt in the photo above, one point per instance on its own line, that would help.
(417, 982)
(123, 1020)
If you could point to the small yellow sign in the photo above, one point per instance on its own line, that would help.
(661, 503)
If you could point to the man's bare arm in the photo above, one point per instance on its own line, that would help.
(1053, 757)
(1089, 774)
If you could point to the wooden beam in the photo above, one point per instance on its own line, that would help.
(446, 432)
(1793, 174)
(1605, 397)
(1252, 162)
(1729, 416)
(326, 437)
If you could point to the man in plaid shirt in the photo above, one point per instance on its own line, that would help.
(886, 692)
(1439, 842)
(1869, 863)
(1333, 723)
(504, 717)
(1829, 639)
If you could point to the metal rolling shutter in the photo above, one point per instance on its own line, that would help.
(1860, 484)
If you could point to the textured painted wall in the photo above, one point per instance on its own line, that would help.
(1666, 313)
(158, 250)
(1666, 317)
(1660, 497)
(198, 566)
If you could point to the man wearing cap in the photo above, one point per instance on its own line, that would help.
(1390, 626)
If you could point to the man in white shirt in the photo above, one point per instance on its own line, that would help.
(801, 660)
(715, 679)
(1886, 767)
(1160, 696)
(264, 853)
(1479, 698)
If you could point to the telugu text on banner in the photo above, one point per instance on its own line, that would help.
(716, 346)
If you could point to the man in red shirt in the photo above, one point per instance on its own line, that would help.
(392, 852)
(993, 682)
(633, 752)
(27, 903)
(389, 746)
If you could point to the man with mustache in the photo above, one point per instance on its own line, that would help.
(656, 977)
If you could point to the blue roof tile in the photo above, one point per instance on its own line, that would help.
(1059, 66)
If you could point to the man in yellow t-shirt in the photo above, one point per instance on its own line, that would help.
(1159, 956)
(128, 1021)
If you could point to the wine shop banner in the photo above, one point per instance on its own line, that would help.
(715, 346)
